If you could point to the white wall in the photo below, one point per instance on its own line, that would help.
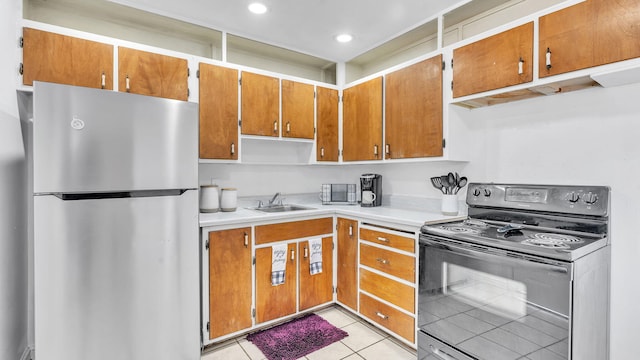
(13, 238)
(585, 137)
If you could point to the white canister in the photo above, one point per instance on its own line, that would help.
(229, 199)
(209, 199)
(449, 204)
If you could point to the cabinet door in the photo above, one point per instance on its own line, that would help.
(146, 73)
(327, 118)
(316, 289)
(348, 263)
(260, 104)
(297, 110)
(66, 60)
(498, 61)
(591, 33)
(362, 121)
(229, 281)
(218, 112)
(413, 109)
(273, 302)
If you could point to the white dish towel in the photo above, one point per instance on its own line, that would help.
(315, 257)
(278, 264)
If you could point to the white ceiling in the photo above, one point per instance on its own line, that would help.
(307, 26)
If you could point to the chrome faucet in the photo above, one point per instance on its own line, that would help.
(274, 198)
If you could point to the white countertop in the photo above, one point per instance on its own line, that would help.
(397, 211)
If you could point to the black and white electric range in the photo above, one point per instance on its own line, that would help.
(525, 276)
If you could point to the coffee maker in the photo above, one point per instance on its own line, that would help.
(371, 190)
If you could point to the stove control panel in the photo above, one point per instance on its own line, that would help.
(581, 200)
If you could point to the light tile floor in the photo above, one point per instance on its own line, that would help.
(364, 342)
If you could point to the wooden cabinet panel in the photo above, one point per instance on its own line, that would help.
(293, 230)
(260, 104)
(362, 121)
(590, 33)
(387, 289)
(392, 263)
(146, 73)
(327, 148)
(387, 316)
(388, 239)
(273, 302)
(230, 283)
(347, 267)
(218, 112)
(413, 110)
(494, 62)
(67, 60)
(315, 289)
(297, 110)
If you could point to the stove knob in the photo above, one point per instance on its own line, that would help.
(476, 192)
(487, 192)
(590, 198)
(573, 197)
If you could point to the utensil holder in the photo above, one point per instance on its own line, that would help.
(449, 205)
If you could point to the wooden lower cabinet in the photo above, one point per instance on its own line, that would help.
(392, 263)
(347, 267)
(315, 289)
(230, 283)
(389, 317)
(387, 289)
(274, 302)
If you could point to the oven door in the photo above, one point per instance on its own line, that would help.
(479, 302)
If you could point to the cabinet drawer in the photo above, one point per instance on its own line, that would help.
(388, 289)
(392, 263)
(384, 238)
(293, 230)
(393, 319)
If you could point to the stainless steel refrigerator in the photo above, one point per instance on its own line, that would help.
(115, 225)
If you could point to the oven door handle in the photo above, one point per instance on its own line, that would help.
(486, 252)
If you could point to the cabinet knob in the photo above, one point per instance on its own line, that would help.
(275, 126)
(288, 127)
(127, 83)
(520, 66)
(233, 148)
(382, 261)
(306, 252)
(548, 58)
(246, 240)
(322, 152)
(293, 255)
(387, 149)
(375, 150)
(351, 230)
(103, 80)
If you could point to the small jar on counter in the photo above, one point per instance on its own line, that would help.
(209, 199)
(229, 199)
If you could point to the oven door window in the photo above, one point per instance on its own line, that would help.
(491, 305)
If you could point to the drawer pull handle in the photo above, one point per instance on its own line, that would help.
(383, 261)
(380, 238)
(381, 315)
(246, 240)
(127, 84)
(103, 80)
(548, 58)
(520, 66)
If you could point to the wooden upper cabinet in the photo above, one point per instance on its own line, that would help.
(590, 33)
(327, 148)
(413, 110)
(146, 73)
(362, 121)
(218, 112)
(230, 282)
(260, 104)
(501, 60)
(67, 60)
(297, 110)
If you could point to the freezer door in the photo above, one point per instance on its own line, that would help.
(117, 278)
(91, 140)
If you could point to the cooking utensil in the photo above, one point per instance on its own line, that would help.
(452, 182)
(445, 184)
(461, 184)
(437, 183)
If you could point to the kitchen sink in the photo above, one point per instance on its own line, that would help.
(281, 208)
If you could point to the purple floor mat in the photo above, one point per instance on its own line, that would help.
(296, 338)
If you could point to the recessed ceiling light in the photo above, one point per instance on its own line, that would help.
(344, 38)
(257, 8)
